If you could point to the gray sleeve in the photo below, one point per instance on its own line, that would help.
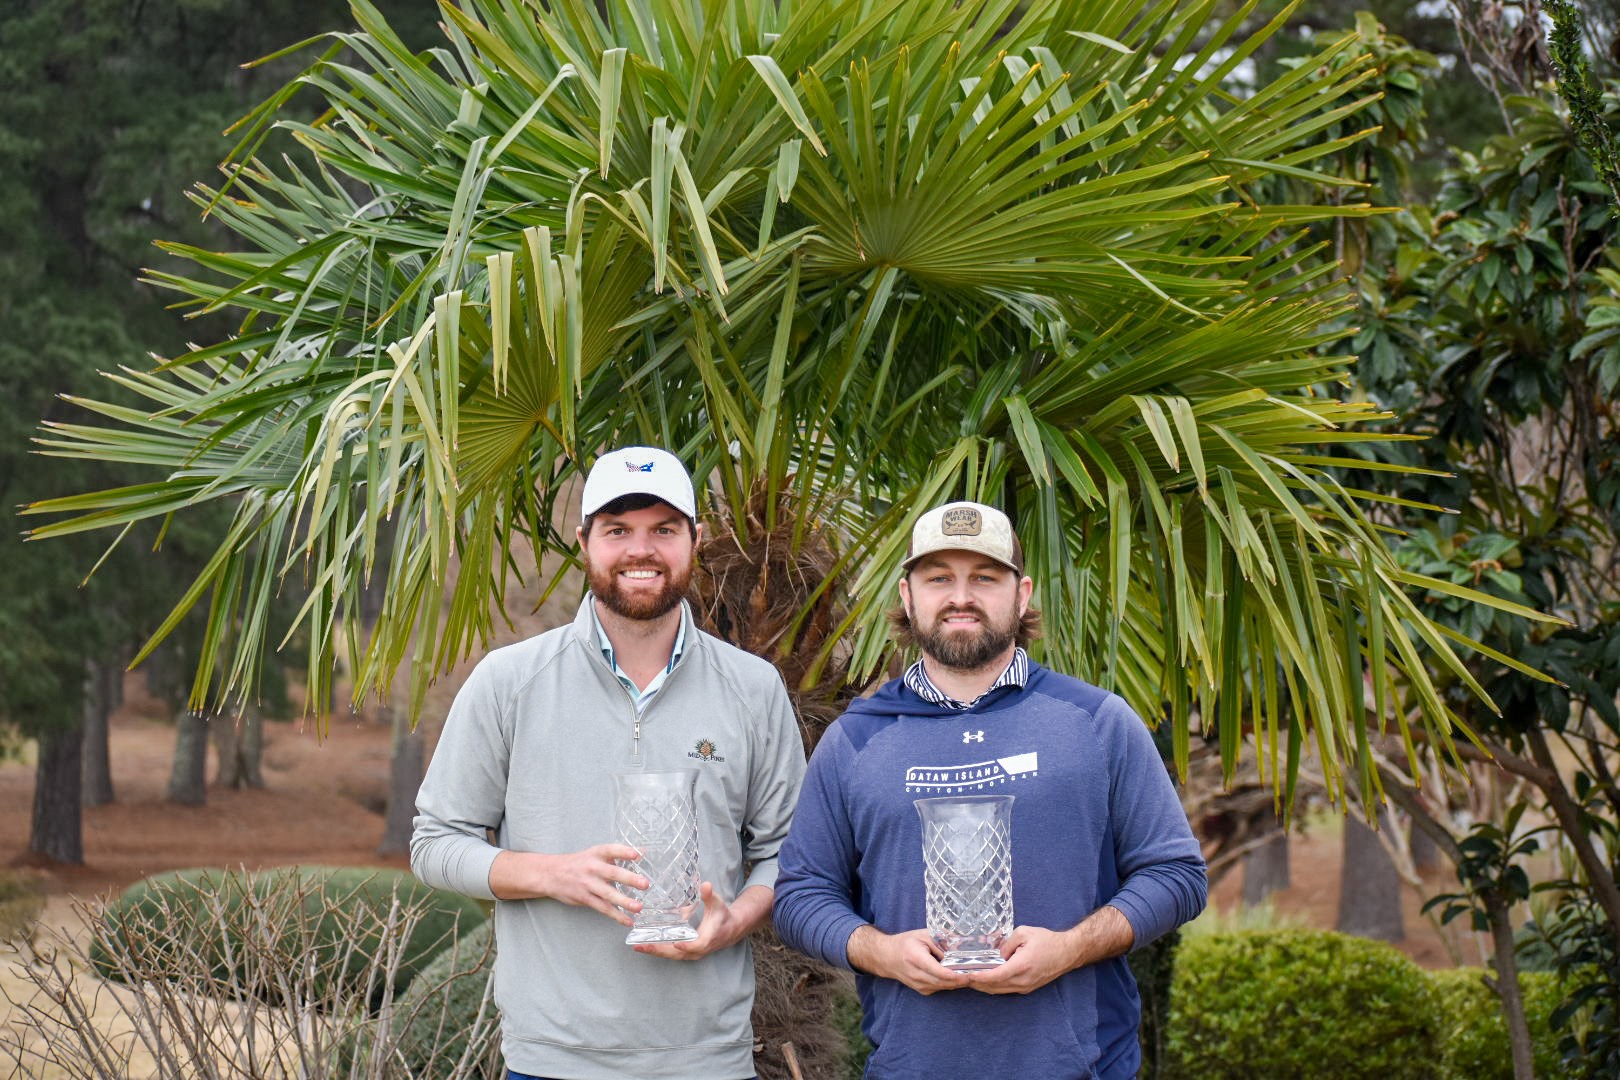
(464, 793)
(773, 786)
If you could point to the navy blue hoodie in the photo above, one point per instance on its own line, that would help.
(1095, 821)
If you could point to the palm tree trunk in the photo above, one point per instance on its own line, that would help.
(57, 832)
(239, 746)
(97, 758)
(1369, 887)
(404, 778)
(1265, 870)
(188, 780)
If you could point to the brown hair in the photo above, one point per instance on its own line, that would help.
(626, 503)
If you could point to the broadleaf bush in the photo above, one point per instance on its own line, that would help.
(1295, 1004)
(1474, 1038)
(1300, 1004)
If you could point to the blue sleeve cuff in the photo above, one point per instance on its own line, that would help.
(836, 937)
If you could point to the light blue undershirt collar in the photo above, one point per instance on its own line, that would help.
(639, 696)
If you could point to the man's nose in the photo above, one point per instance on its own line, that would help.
(959, 593)
(639, 543)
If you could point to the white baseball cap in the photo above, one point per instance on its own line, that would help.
(638, 470)
(964, 526)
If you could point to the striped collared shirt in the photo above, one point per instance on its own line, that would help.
(917, 680)
(642, 697)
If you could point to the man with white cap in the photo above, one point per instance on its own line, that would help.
(1103, 859)
(516, 805)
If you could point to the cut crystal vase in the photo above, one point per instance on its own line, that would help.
(655, 813)
(967, 877)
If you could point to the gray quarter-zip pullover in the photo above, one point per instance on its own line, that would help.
(527, 753)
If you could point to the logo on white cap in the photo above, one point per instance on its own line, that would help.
(638, 470)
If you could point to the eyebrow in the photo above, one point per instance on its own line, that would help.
(675, 517)
(928, 562)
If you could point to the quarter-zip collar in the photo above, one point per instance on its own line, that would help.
(640, 697)
(588, 632)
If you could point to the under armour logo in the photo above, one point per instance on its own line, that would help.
(972, 736)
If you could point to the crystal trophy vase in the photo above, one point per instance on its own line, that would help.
(655, 813)
(967, 877)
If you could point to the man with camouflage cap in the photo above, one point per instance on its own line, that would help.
(1103, 858)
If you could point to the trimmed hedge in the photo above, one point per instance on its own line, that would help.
(1300, 1004)
(212, 912)
(1288, 1004)
(1474, 1039)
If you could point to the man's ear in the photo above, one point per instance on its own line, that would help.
(905, 594)
(1026, 588)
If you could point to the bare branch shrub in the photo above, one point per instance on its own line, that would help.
(238, 988)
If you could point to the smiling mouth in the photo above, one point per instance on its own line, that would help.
(640, 575)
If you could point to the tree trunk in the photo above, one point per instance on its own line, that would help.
(98, 706)
(404, 778)
(1599, 876)
(57, 832)
(1265, 870)
(188, 781)
(239, 746)
(1425, 852)
(1370, 886)
(1506, 986)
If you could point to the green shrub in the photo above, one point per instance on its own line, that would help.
(1474, 1039)
(1154, 967)
(1300, 1004)
(435, 1015)
(232, 921)
(22, 898)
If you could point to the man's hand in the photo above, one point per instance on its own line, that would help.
(911, 958)
(1035, 956)
(581, 878)
(722, 926)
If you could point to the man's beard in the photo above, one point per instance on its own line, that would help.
(640, 605)
(961, 649)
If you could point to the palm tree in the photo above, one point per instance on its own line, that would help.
(849, 258)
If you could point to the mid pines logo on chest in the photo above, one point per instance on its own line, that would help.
(705, 750)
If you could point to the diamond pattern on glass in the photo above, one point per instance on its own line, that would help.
(967, 876)
(655, 814)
